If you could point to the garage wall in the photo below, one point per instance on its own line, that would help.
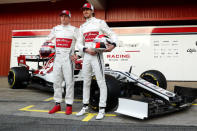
(151, 10)
(42, 15)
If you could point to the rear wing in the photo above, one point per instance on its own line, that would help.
(32, 58)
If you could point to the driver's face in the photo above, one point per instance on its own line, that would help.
(87, 13)
(64, 19)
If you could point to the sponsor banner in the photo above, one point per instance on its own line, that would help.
(30, 33)
(170, 49)
(27, 42)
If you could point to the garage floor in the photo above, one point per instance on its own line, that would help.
(30, 103)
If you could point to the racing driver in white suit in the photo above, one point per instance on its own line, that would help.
(92, 60)
(65, 38)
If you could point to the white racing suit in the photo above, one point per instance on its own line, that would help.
(63, 69)
(87, 32)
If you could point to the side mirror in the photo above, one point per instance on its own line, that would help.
(130, 69)
(107, 66)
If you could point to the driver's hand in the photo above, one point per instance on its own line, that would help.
(90, 51)
(109, 48)
(47, 42)
(74, 57)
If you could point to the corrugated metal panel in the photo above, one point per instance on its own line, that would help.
(45, 16)
(151, 12)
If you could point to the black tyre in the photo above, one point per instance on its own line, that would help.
(189, 94)
(18, 77)
(113, 93)
(155, 77)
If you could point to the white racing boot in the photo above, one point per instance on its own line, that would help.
(83, 111)
(101, 114)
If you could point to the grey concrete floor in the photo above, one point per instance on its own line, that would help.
(29, 106)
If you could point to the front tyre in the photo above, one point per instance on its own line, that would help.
(155, 77)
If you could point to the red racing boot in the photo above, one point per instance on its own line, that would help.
(68, 110)
(56, 108)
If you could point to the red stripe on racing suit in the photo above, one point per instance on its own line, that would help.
(89, 36)
(63, 42)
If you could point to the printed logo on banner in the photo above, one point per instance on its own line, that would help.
(118, 57)
(63, 42)
(89, 36)
(129, 44)
(191, 50)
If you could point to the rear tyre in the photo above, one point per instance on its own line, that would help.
(18, 77)
(155, 77)
(113, 93)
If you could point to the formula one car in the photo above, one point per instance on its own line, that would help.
(140, 97)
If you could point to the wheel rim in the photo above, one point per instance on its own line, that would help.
(150, 79)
